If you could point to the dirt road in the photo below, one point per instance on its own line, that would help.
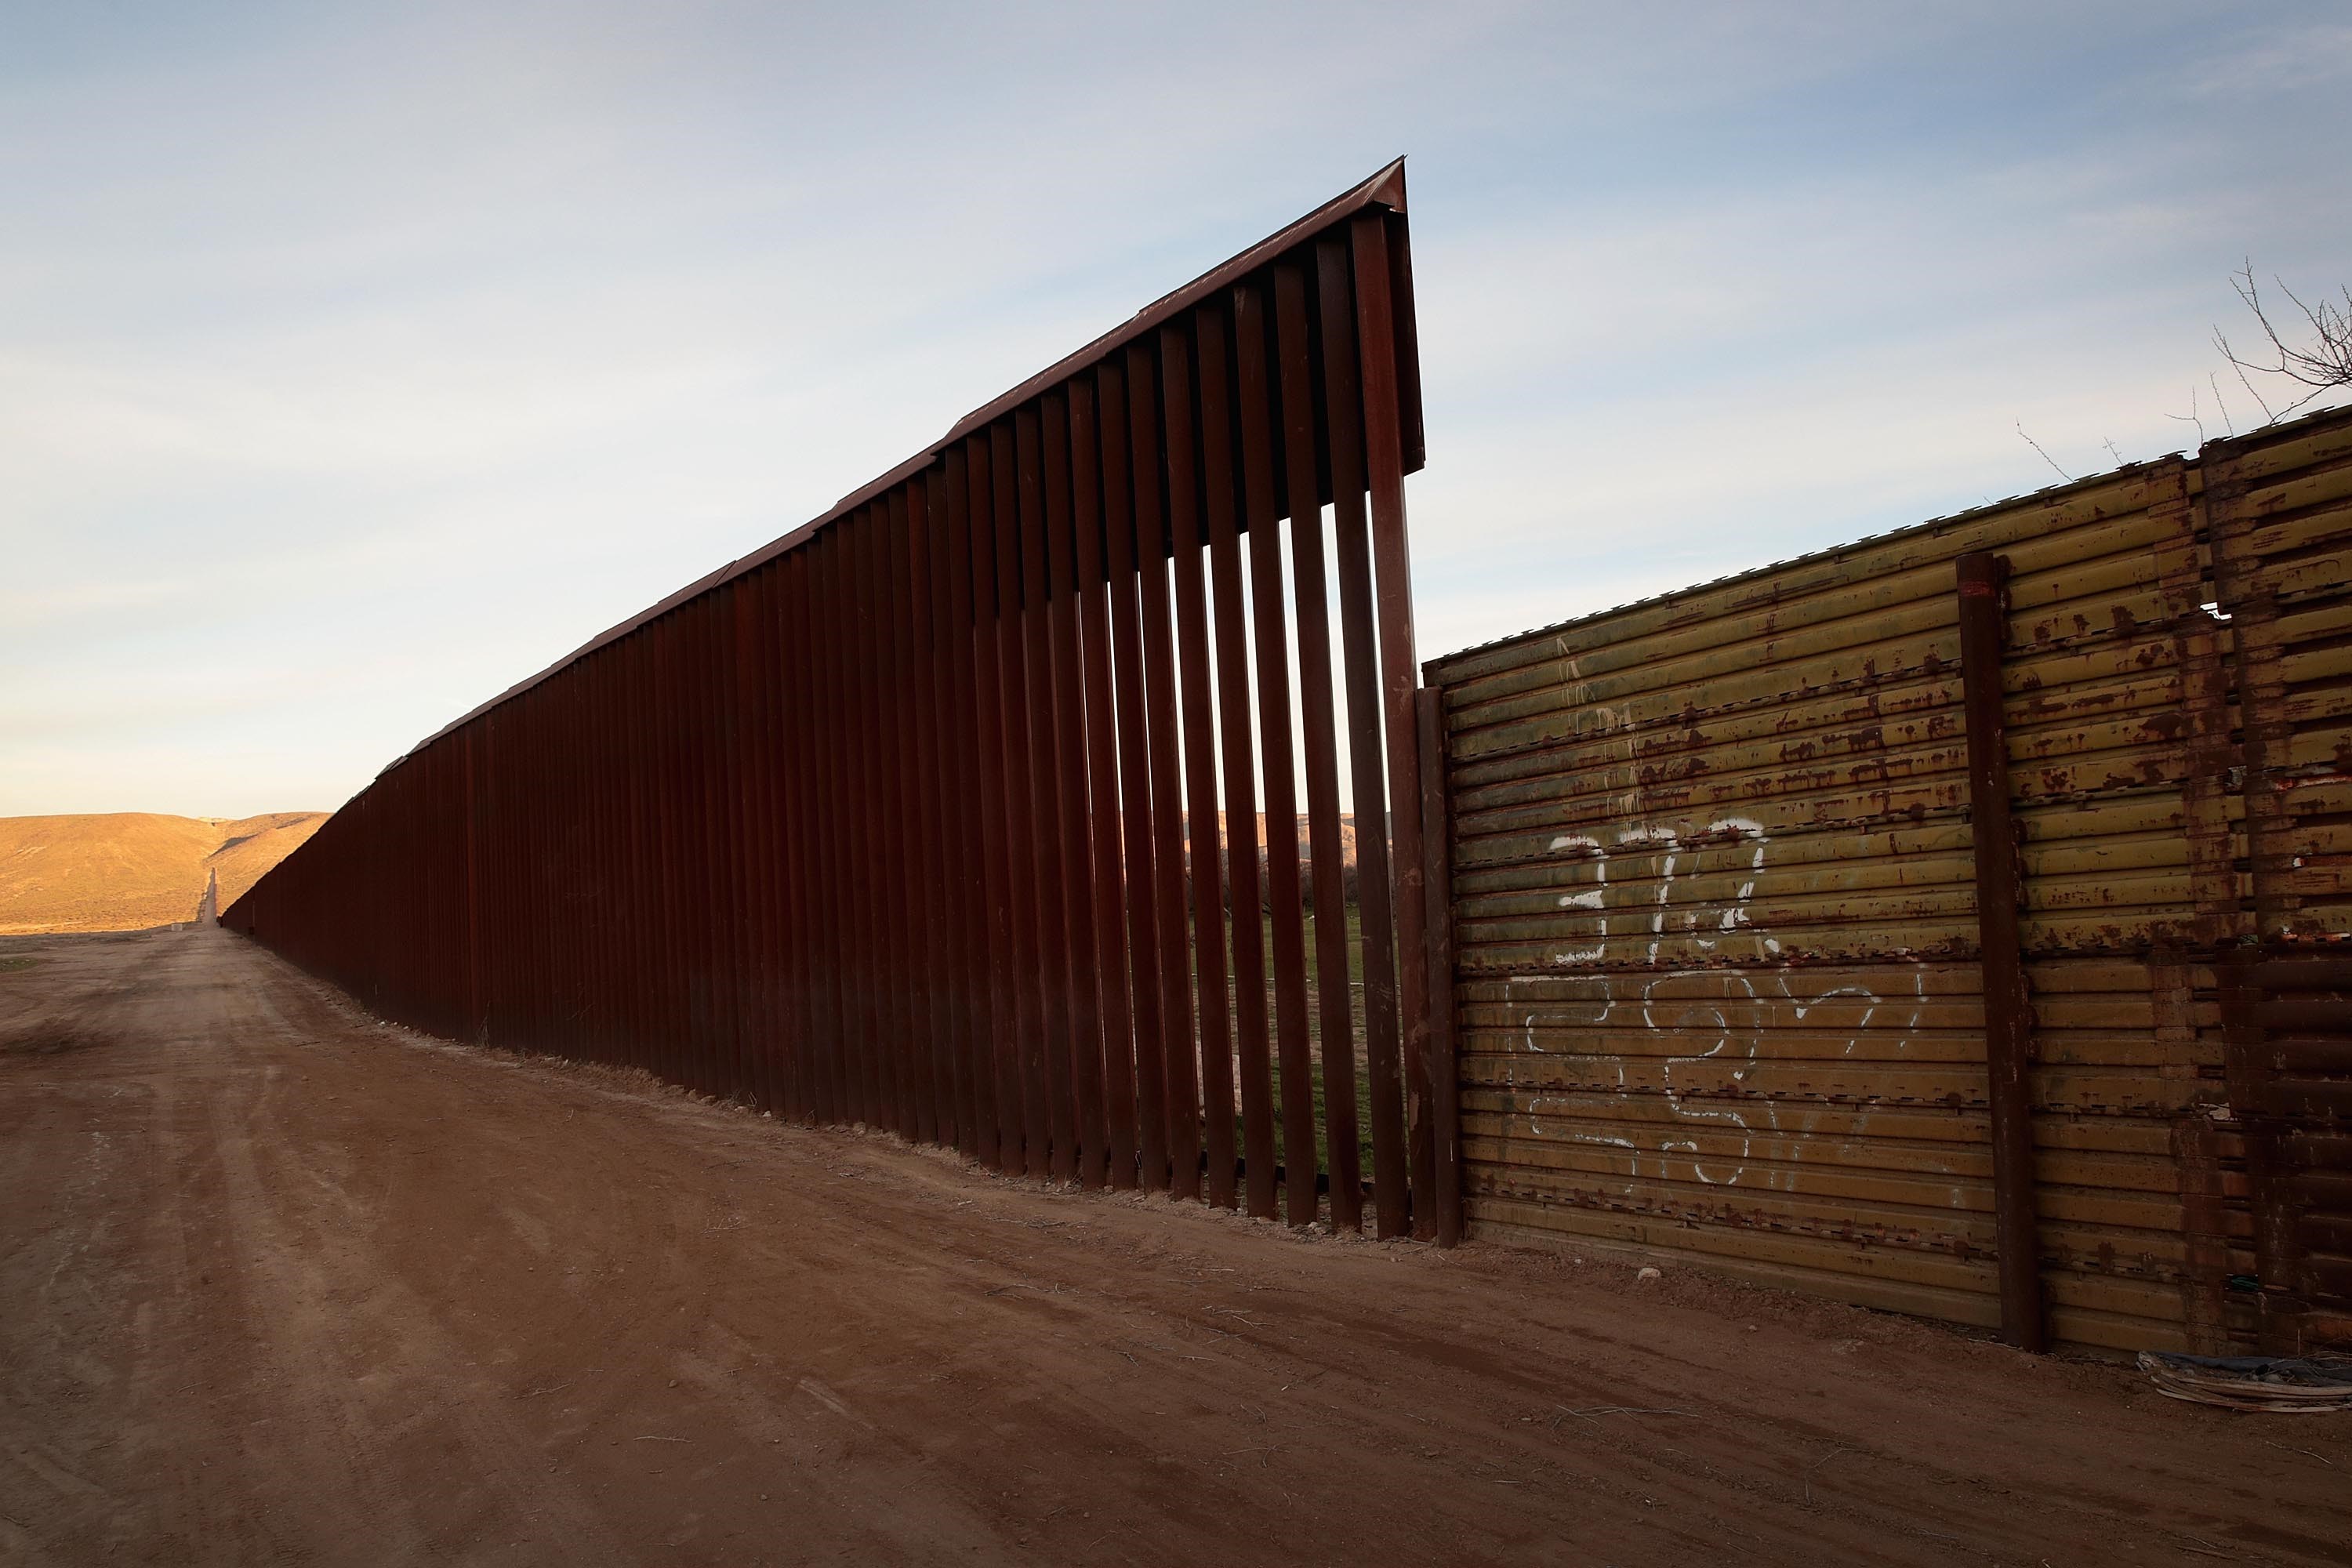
(278, 1284)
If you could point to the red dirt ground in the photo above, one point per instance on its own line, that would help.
(279, 1283)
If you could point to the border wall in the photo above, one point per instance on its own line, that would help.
(1722, 964)
(912, 819)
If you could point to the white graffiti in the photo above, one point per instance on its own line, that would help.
(1728, 1128)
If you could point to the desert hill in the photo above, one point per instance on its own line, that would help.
(130, 870)
(1347, 835)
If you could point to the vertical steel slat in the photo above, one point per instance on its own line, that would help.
(700, 764)
(1189, 527)
(2009, 1014)
(927, 925)
(659, 821)
(614, 787)
(573, 922)
(886, 998)
(853, 796)
(576, 846)
(723, 843)
(514, 993)
(1271, 644)
(1133, 846)
(755, 848)
(1180, 1057)
(1018, 683)
(693, 852)
(1218, 485)
(976, 615)
(778, 805)
(500, 902)
(875, 1041)
(674, 823)
(918, 827)
(738, 848)
(470, 738)
(1089, 1131)
(829, 593)
(791, 806)
(1115, 1005)
(636, 958)
(909, 987)
(671, 822)
(944, 878)
(795, 668)
(1445, 1079)
(886, 958)
(965, 796)
(815, 597)
(633, 798)
(1393, 577)
(1046, 836)
(762, 811)
(1334, 1003)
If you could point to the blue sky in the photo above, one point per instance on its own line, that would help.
(356, 361)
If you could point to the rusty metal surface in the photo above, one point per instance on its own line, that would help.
(1717, 909)
(911, 818)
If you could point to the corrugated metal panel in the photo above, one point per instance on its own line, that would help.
(2282, 524)
(1719, 985)
(2282, 520)
(2291, 1016)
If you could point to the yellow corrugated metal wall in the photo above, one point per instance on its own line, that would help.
(1717, 986)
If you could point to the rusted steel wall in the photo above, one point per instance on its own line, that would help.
(1721, 980)
(912, 820)
(2282, 528)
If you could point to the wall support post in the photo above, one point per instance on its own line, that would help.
(1444, 1067)
(2008, 1015)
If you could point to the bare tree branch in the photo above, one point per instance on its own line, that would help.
(2045, 457)
(2324, 365)
(2190, 418)
(2214, 382)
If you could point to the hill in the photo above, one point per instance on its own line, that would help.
(131, 869)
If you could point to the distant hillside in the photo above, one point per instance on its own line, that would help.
(128, 870)
(1347, 835)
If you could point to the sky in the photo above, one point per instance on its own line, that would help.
(357, 361)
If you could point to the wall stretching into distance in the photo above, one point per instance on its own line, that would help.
(912, 819)
(1949, 922)
(1723, 958)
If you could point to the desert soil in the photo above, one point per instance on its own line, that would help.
(279, 1283)
(126, 870)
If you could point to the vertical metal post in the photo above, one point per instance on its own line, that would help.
(2008, 1015)
(1385, 459)
(1318, 724)
(1189, 526)
(1140, 843)
(1090, 1134)
(1444, 1067)
(1114, 1008)
(1246, 908)
(1155, 542)
(1270, 642)
(1359, 632)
